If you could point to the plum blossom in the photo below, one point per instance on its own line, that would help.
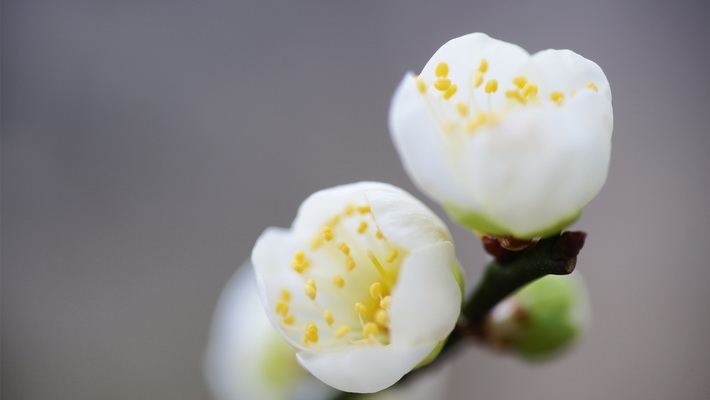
(364, 285)
(511, 144)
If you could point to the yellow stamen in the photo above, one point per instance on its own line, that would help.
(379, 234)
(370, 330)
(514, 94)
(591, 85)
(362, 227)
(477, 79)
(450, 91)
(310, 289)
(462, 108)
(491, 86)
(342, 331)
(376, 262)
(477, 122)
(311, 333)
(282, 308)
(344, 248)
(421, 86)
(364, 209)
(285, 295)
(327, 233)
(289, 320)
(299, 265)
(442, 84)
(338, 281)
(442, 70)
(316, 242)
(557, 97)
(530, 90)
(385, 302)
(483, 66)
(361, 309)
(376, 290)
(381, 317)
(350, 263)
(328, 317)
(349, 209)
(392, 256)
(520, 81)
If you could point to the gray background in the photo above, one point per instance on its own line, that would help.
(146, 145)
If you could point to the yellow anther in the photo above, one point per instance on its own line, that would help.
(442, 70)
(349, 209)
(379, 234)
(381, 317)
(514, 94)
(442, 84)
(364, 209)
(362, 227)
(530, 90)
(289, 320)
(316, 242)
(477, 79)
(462, 108)
(338, 281)
(370, 330)
(392, 256)
(557, 97)
(285, 295)
(342, 331)
(376, 290)
(520, 81)
(344, 248)
(421, 85)
(361, 309)
(350, 263)
(385, 302)
(491, 86)
(327, 233)
(477, 121)
(450, 92)
(299, 262)
(483, 66)
(328, 317)
(282, 308)
(591, 85)
(310, 289)
(311, 333)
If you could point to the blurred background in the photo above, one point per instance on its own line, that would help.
(147, 144)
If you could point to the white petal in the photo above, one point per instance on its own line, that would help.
(422, 146)
(364, 369)
(426, 300)
(405, 220)
(464, 54)
(537, 167)
(271, 256)
(569, 71)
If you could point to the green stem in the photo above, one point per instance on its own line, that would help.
(508, 272)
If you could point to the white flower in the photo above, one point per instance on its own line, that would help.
(509, 143)
(364, 284)
(247, 359)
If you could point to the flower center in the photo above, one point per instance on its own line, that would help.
(348, 271)
(468, 116)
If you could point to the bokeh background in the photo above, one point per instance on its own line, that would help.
(147, 144)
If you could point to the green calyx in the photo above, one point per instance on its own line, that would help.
(481, 223)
